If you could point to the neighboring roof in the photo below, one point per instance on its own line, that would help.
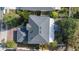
(36, 8)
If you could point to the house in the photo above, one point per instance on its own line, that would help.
(40, 28)
(3, 32)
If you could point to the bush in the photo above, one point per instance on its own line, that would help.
(68, 34)
(10, 44)
(11, 19)
(54, 14)
(53, 44)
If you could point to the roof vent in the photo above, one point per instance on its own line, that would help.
(28, 27)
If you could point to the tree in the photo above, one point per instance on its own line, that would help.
(11, 19)
(24, 14)
(75, 43)
(67, 29)
(74, 12)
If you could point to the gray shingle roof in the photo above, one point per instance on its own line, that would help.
(42, 23)
(37, 40)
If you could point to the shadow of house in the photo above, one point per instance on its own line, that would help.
(15, 36)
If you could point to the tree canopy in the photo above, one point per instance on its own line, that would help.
(24, 14)
(11, 19)
(68, 28)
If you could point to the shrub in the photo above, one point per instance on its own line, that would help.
(53, 44)
(68, 34)
(10, 44)
(54, 14)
